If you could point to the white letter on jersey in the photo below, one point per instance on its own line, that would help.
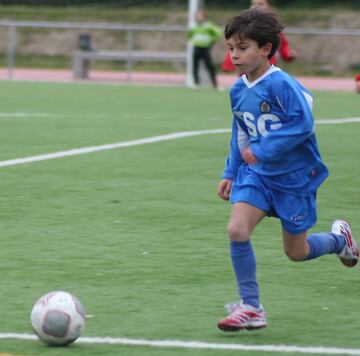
(249, 120)
(273, 120)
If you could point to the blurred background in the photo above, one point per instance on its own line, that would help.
(47, 33)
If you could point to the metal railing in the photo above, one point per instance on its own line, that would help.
(322, 31)
(130, 29)
(12, 27)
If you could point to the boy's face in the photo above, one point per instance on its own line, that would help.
(246, 55)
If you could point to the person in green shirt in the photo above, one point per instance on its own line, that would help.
(202, 36)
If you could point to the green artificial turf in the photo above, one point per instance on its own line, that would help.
(138, 234)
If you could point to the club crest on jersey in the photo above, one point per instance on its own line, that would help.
(265, 107)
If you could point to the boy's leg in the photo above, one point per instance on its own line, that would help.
(300, 247)
(298, 213)
(243, 220)
(296, 246)
(249, 314)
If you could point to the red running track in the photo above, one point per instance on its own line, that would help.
(148, 78)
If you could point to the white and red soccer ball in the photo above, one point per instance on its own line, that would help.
(58, 318)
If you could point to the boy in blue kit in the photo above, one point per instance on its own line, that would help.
(274, 166)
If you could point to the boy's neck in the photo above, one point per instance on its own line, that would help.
(258, 72)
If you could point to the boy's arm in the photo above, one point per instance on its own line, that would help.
(296, 128)
(239, 140)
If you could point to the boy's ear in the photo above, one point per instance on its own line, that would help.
(266, 49)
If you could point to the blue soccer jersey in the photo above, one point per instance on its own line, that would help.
(274, 116)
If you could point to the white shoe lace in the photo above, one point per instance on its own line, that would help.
(231, 306)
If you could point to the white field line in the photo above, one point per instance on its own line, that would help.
(27, 114)
(199, 345)
(91, 149)
(338, 121)
(11, 115)
(172, 136)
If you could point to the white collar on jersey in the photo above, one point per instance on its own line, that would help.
(271, 69)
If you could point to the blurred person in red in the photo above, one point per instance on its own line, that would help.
(357, 83)
(285, 51)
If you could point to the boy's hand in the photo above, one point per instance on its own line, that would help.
(248, 156)
(224, 188)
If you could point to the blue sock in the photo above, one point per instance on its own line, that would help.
(244, 265)
(324, 243)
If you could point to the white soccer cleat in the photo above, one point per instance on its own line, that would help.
(243, 316)
(349, 256)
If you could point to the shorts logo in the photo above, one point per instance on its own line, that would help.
(265, 107)
(297, 218)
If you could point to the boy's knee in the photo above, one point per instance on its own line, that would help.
(238, 232)
(294, 255)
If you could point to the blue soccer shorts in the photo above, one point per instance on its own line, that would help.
(296, 213)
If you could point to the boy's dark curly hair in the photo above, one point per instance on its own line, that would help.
(258, 25)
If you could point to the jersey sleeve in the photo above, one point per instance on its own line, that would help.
(239, 139)
(296, 118)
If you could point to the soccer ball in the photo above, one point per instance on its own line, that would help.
(58, 318)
